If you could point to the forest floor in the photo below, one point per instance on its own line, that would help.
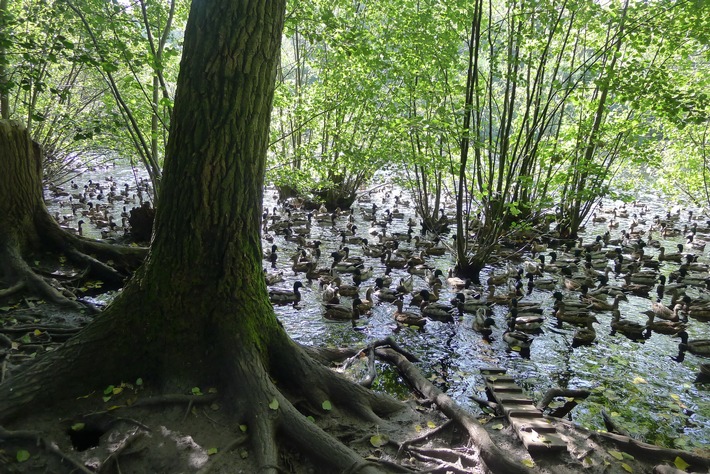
(128, 428)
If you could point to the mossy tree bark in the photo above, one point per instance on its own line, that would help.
(26, 226)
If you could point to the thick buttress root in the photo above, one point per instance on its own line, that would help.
(22, 277)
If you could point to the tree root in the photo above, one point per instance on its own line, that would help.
(125, 257)
(405, 445)
(17, 267)
(561, 392)
(36, 439)
(7, 292)
(96, 267)
(175, 398)
(117, 453)
(222, 453)
(639, 448)
(493, 458)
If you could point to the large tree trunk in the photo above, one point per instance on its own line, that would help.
(27, 228)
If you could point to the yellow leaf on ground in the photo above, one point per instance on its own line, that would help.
(680, 463)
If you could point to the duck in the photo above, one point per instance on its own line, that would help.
(585, 336)
(670, 257)
(341, 312)
(437, 311)
(406, 285)
(578, 316)
(664, 327)
(516, 340)
(407, 318)
(393, 262)
(273, 278)
(469, 304)
(527, 322)
(368, 303)
(432, 278)
(599, 305)
(330, 293)
(700, 347)
(384, 293)
(346, 290)
(482, 322)
(425, 295)
(284, 296)
(455, 283)
(630, 329)
(362, 274)
(659, 310)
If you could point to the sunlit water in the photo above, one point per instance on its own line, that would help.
(638, 384)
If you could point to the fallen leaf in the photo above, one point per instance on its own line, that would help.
(211, 451)
(680, 463)
(274, 405)
(528, 462)
(327, 405)
(497, 426)
(22, 455)
(379, 440)
(638, 380)
(627, 467)
(616, 454)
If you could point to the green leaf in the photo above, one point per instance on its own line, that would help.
(379, 440)
(108, 390)
(77, 426)
(243, 428)
(196, 391)
(497, 426)
(22, 455)
(139, 381)
(327, 406)
(627, 467)
(212, 451)
(528, 462)
(680, 463)
(106, 398)
(274, 405)
(311, 419)
(616, 454)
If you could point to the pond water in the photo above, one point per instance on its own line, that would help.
(639, 384)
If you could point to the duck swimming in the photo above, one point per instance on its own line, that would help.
(482, 322)
(283, 296)
(407, 318)
(700, 347)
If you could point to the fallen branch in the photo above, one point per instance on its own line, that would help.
(560, 392)
(492, 456)
(650, 452)
(611, 425)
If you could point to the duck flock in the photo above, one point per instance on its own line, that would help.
(393, 262)
(635, 274)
